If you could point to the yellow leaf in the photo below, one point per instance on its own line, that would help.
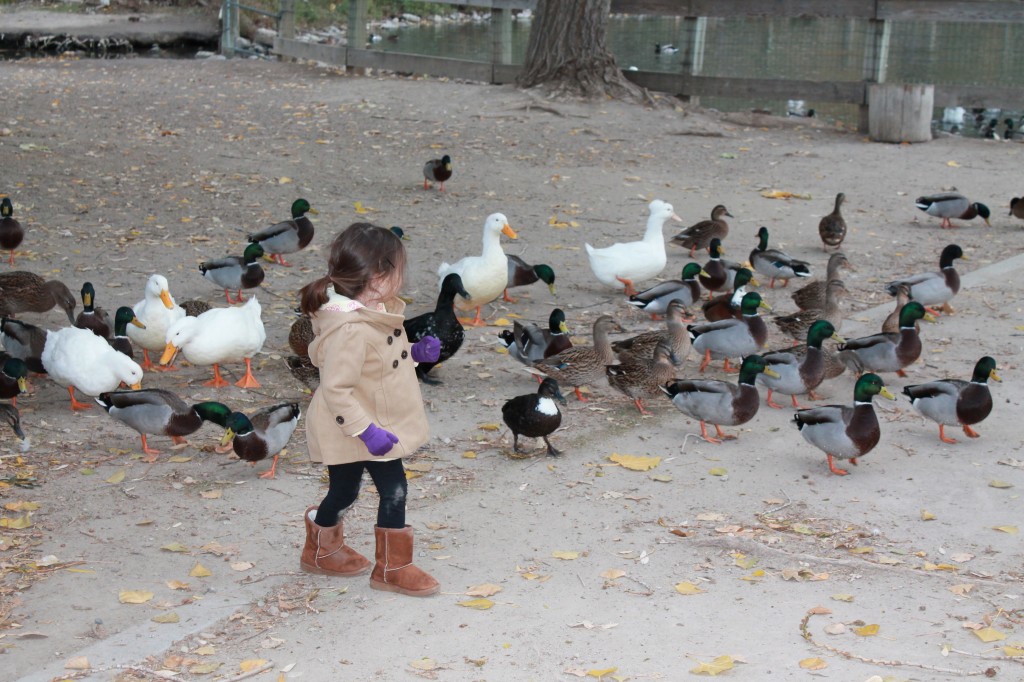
(212, 494)
(284, 180)
(1013, 651)
(77, 663)
(251, 664)
(205, 650)
(718, 471)
(1012, 530)
(179, 459)
(481, 604)
(502, 322)
(862, 550)
(117, 477)
(813, 664)
(613, 574)
(744, 561)
(200, 571)
(990, 635)
(484, 590)
(928, 566)
(425, 664)
(169, 617)
(635, 462)
(17, 523)
(469, 454)
(175, 547)
(842, 597)
(204, 668)
(21, 506)
(867, 630)
(688, 588)
(489, 427)
(952, 164)
(999, 484)
(177, 585)
(134, 596)
(241, 565)
(662, 478)
(783, 194)
(719, 665)
(601, 673)
(927, 515)
(565, 555)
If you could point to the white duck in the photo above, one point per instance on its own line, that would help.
(77, 358)
(484, 276)
(619, 265)
(219, 335)
(157, 311)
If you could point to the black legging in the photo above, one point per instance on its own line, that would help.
(345, 480)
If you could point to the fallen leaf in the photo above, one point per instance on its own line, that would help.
(613, 574)
(204, 668)
(862, 550)
(250, 664)
(719, 665)
(688, 588)
(928, 566)
(134, 596)
(565, 555)
(205, 650)
(77, 663)
(1013, 651)
(990, 635)
(952, 164)
(813, 664)
(635, 462)
(21, 505)
(117, 477)
(744, 561)
(179, 459)
(169, 617)
(242, 565)
(1012, 530)
(17, 523)
(927, 515)
(709, 516)
(489, 427)
(212, 494)
(782, 194)
(842, 597)
(867, 630)
(819, 611)
(480, 604)
(177, 585)
(601, 673)
(484, 590)
(835, 628)
(718, 471)
(175, 547)
(999, 484)
(962, 589)
(424, 664)
(200, 571)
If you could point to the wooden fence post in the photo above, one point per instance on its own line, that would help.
(900, 113)
(228, 27)
(501, 37)
(357, 34)
(876, 62)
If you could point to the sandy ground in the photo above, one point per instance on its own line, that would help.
(124, 168)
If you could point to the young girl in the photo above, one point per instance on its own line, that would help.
(367, 413)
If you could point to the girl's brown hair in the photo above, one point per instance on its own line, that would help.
(361, 253)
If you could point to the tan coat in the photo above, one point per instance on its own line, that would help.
(366, 375)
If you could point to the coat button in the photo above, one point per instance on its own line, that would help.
(340, 420)
(405, 354)
(398, 332)
(395, 364)
(390, 340)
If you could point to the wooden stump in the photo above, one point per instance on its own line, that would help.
(900, 112)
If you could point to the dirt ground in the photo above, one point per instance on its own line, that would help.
(750, 550)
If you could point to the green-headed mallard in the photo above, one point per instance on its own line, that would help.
(699, 235)
(217, 336)
(675, 335)
(832, 227)
(157, 311)
(715, 275)
(521, 273)
(934, 288)
(26, 292)
(13, 377)
(621, 264)
(528, 343)
(727, 306)
(948, 205)
(776, 264)
(441, 323)
(720, 402)
(798, 374)
(534, 415)
(120, 341)
(78, 359)
(811, 296)
(841, 431)
(954, 401)
(158, 412)
(437, 170)
(797, 324)
(236, 272)
(10, 414)
(582, 365)
(732, 338)
(263, 434)
(638, 378)
(11, 231)
(483, 276)
(891, 352)
(685, 290)
(92, 318)
(288, 236)
(24, 341)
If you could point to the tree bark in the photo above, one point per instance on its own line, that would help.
(567, 54)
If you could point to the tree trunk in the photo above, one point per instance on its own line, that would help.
(567, 54)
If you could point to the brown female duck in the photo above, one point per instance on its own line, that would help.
(797, 324)
(581, 365)
(832, 227)
(26, 292)
(699, 235)
(11, 231)
(675, 335)
(812, 296)
(638, 378)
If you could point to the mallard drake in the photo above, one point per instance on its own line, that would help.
(832, 227)
(656, 300)
(13, 377)
(92, 318)
(892, 352)
(638, 378)
(157, 311)
(811, 296)
(1017, 207)
(521, 273)
(483, 276)
(27, 292)
(10, 414)
(437, 170)
(24, 341)
(158, 412)
(727, 306)
(120, 341)
(845, 432)
(699, 235)
(300, 335)
(949, 205)
(675, 335)
(303, 369)
(11, 231)
(732, 338)
(262, 434)
(441, 323)
(528, 343)
(954, 401)
(581, 365)
(934, 288)
(236, 272)
(798, 374)
(716, 276)
(720, 402)
(78, 359)
(534, 415)
(621, 264)
(217, 336)
(892, 320)
(195, 307)
(776, 264)
(797, 324)
(288, 236)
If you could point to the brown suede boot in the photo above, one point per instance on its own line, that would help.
(325, 551)
(394, 571)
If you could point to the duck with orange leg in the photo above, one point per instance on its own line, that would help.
(235, 273)
(727, 306)
(775, 263)
(732, 338)
(77, 358)
(798, 374)
(217, 336)
(288, 236)
(955, 402)
(638, 377)
(891, 352)
(934, 288)
(656, 299)
(263, 434)
(699, 235)
(156, 312)
(583, 365)
(485, 276)
(623, 264)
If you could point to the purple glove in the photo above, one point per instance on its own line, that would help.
(377, 440)
(427, 349)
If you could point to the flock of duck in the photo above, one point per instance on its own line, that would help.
(96, 357)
